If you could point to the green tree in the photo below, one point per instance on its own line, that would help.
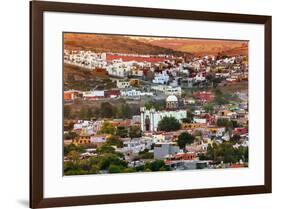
(169, 124)
(157, 165)
(146, 154)
(114, 141)
(73, 155)
(223, 122)
(210, 152)
(140, 168)
(148, 105)
(105, 148)
(159, 105)
(107, 128)
(226, 152)
(209, 107)
(85, 165)
(71, 172)
(243, 152)
(72, 147)
(122, 131)
(135, 132)
(69, 165)
(94, 169)
(111, 159)
(184, 139)
(129, 170)
(115, 169)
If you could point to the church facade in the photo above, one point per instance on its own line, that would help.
(150, 117)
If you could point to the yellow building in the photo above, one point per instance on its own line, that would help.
(82, 139)
(191, 125)
(213, 130)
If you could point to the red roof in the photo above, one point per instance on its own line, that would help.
(236, 166)
(185, 156)
(109, 93)
(68, 95)
(204, 96)
(241, 130)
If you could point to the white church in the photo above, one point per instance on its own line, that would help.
(150, 118)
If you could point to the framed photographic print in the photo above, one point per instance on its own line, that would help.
(140, 104)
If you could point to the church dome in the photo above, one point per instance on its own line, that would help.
(172, 98)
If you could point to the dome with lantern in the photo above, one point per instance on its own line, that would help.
(171, 102)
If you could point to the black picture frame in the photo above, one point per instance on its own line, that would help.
(37, 8)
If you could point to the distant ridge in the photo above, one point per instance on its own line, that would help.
(201, 47)
(114, 44)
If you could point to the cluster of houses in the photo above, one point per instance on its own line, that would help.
(163, 145)
(147, 75)
(142, 76)
(166, 69)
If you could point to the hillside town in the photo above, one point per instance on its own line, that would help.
(146, 113)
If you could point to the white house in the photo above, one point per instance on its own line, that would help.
(130, 93)
(122, 84)
(86, 126)
(95, 94)
(168, 90)
(159, 137)
(200, 120)
(173, 90)
(118, 69)
(161, 78)
(86, 59)
(136, 145)
(135, 93)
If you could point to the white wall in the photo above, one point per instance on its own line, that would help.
(14, 103)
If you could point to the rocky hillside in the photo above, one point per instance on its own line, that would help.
(113, 43)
